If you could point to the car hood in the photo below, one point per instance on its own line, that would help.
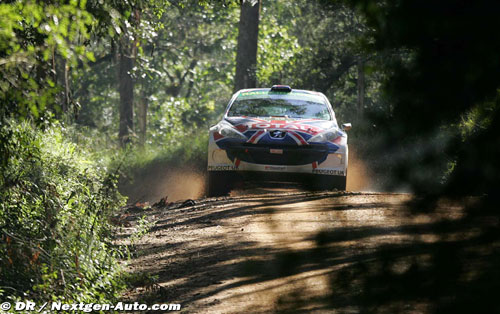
(280, 132)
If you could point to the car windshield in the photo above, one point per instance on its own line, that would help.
(275, 104)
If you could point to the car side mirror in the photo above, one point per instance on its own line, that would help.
(346, 126)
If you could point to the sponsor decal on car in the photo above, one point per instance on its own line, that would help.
(275, 168)
(332, 172)
(221, 168)
(310, 129)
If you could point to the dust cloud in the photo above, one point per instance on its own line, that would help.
(359, 177)
(165, 182)
(176, 183)
(182, 184)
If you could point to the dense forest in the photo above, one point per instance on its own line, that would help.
(94, 95)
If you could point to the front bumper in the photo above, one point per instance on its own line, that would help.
(309, 159)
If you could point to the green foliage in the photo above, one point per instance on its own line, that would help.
(143, 227)
(277, 48)
(476, 120)
(54, 208)
(443, 90)
(185, 54)
(33, 35)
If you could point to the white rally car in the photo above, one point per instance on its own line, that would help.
(277, 134)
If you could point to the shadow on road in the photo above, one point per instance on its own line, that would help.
(444, 262)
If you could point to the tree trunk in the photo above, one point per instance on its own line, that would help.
(67, 100)
(361, 88)
(142, 117)
(60, 70)
(126, 88)
(246, 57)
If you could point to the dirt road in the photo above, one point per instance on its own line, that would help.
(278, 250)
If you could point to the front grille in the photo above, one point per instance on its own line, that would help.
(286, 146)
(292, 155)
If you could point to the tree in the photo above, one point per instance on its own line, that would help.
(126, 89)
(246, 57)
(128, 43)
(317, 45)
(37, 45)
(183, 68)
(445, 83)
(361, 88)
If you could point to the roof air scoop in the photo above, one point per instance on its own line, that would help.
(281, 88)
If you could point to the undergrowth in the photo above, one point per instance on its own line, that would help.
(55, 204)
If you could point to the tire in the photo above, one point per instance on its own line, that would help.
(330, 183)
(220, 183)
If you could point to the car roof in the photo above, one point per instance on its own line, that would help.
(269, 89)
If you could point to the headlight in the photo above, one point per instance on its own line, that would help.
(326, 136)
(227, 130)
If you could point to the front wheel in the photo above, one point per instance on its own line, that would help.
(330, 183)
(220, 183)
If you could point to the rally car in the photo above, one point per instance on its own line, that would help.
(277, 133)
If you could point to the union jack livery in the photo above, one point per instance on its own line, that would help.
(278, 131)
